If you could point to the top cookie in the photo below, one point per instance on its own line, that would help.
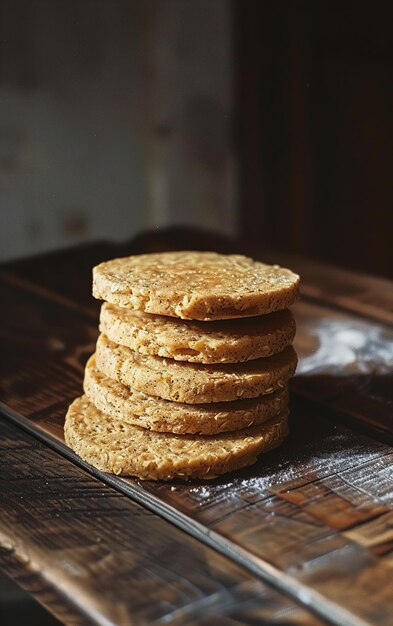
(195, 285)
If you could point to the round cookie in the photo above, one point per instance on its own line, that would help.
(133, 407)
(128, 450)
(191, 382)
(195, 285)
(225, 341)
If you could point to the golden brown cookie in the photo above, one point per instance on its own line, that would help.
(121, 448)
(225, 341)
(195, 285)
(191, 382)
(133, 407)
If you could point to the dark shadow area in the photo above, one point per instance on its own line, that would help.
(315, 131)
(18, 608)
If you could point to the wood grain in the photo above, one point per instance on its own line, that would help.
(92, 556)
(346, 365)
(317, 510)
(358, 293)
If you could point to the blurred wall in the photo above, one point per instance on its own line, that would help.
(114, 116)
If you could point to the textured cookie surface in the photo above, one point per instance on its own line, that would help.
(191, 382)
(133, 407)
(225, 341)
(195, 285)
(125, 449)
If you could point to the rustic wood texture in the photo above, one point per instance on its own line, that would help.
(92, 556)
(358, 293)
(318, 510)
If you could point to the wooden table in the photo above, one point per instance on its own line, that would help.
(303, 537)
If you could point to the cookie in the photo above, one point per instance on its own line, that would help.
(122, 448)
(225, 341)
(191, 382)
(195, 285)
(133, 407)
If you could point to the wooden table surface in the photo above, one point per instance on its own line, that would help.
(303, 537)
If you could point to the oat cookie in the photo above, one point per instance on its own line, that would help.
(191, 382)
(133, 407)
(125, 449)
(195, 285)
(225, 341)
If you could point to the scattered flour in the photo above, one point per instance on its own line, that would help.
(353, 347)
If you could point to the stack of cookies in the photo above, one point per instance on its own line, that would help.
(190, 374)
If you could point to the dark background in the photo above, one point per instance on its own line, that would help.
(265, 120)
(315, 101)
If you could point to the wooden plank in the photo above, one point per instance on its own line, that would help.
(55, 274)
(317, 487)
(92, 556)
(346, 364)
(302, 593)
(362, 294)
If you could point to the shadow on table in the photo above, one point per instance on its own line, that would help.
(17, 607)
